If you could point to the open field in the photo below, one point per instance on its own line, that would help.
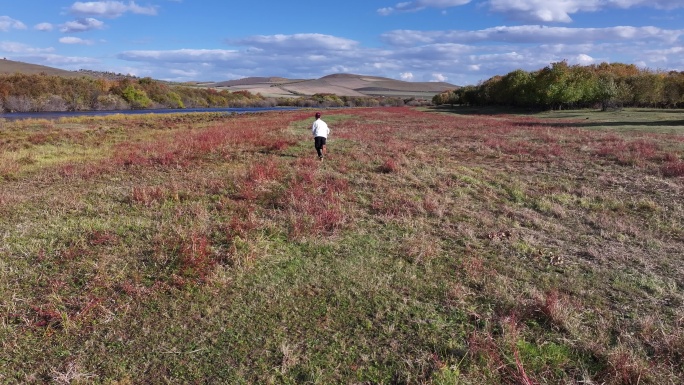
(430, 247)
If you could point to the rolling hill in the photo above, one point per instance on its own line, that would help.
(339, 84)
(11, 67)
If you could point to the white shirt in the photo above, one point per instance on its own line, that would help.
(320, 128)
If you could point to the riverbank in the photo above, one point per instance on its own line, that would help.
(71, 114)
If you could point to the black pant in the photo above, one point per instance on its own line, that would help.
(319, 142)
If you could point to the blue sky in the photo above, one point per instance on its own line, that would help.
(458, 41)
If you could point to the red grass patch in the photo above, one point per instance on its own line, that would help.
(46, 316)
(389, 166)
(673, 169)
(196, 258)
(98, 238)
(314, 205)
(147, 195)
(264, 171)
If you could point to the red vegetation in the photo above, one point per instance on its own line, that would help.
(46, 316)
(196, 259)
(148, 195)
(673, 169)
(389, 166)
(314, 205)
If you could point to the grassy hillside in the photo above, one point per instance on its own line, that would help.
(11, 67)
(436, 248)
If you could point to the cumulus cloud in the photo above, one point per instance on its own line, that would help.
(82, 25)
(407, 76)
(460, 57)
(180, 55)
(532, 34)
(419, 5)
(560, 11)
(439, 78)
(110, 9)
(310, 42)
(583, 59)
(543, 10)
(44, 56)
(66, 62)
(534, 10)
(659, 4)
(45, 27)
(75, 40)
(7, 23)
(14, 47)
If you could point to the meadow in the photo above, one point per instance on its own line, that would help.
(429, 247)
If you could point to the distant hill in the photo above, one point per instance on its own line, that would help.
(12, 67)
(339, 84)
(251, 81)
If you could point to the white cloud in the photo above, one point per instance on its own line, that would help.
(583, 59)
(419, 5)
(543, 10)
(74, 40)
(441, 51)
(439, 78)
(180, 55)
(532, 34)
(407, 76)
(659, 4)
(82, 25)
(462, 57)
(13, 47)
(72, 62)
(52, 60)
(110, 9)
(7, 23)
(534, 10)
(192, 74)
(45, 27)
(309, 42)
(560, 11)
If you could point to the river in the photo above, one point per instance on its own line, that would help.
(69, 114)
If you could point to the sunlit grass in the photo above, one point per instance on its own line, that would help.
(432, 248)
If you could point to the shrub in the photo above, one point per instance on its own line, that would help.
(389, 166)
(19, 104)
(52, 103)
(110, 102)
(673, 169)
(136, 97)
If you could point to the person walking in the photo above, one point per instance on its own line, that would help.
(320, 132)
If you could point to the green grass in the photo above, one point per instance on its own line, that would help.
(432, 249)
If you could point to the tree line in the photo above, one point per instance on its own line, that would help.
(42, 92)
(560, 86)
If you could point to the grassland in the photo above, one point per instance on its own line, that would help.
(430, 247)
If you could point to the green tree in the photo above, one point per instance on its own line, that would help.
(136, 97)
